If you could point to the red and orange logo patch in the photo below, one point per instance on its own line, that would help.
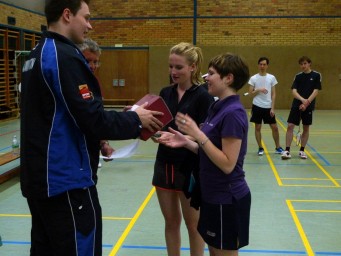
(84, 91)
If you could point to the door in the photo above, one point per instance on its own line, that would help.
(123, 75)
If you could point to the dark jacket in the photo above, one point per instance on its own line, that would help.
(195, 102)
(63, 120)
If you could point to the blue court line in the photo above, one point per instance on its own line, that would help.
(16, 242)
(163, 248)
(319, 155)
(5, 148)
(282, 120)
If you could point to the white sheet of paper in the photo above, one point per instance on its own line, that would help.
(124, 152)
(134, 107)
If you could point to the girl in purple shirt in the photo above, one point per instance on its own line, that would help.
(221, 144)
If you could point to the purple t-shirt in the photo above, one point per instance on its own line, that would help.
(226, 118)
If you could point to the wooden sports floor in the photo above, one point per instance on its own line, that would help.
(296, 204)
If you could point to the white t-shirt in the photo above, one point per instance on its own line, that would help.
(258, 81)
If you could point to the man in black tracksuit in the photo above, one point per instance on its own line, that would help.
(62, 123)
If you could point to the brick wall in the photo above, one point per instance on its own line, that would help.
(270, 32)
(220, 22)
(24, 19)
(141, 8)
(142, 32)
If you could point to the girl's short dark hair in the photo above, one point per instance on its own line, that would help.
(229, 63)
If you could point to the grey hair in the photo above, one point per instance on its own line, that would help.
(90, 45)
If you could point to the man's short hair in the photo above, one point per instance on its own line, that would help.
(264, 58)
(304, 58)
(54, 8)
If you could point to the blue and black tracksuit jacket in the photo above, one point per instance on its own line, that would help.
(63, 120)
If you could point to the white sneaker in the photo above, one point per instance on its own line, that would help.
(302, 155)
(99, 165)
(286, 155)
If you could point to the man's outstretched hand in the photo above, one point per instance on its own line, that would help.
(149, 118)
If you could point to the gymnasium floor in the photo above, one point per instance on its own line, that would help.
(296, 204)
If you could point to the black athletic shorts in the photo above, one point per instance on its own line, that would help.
(170, 176)
(226, 226)
(261, 114)
(296, 115)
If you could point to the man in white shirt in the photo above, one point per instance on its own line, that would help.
(262, 89)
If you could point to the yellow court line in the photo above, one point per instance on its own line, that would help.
(278, 178)
(274, 170)
(314, 201)
(131, 223)
(307, 185)
(15, 215)
(300, 229)
(314, 160)
(271, 163)
(322, 169)
(272, 166)
(324, 179)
